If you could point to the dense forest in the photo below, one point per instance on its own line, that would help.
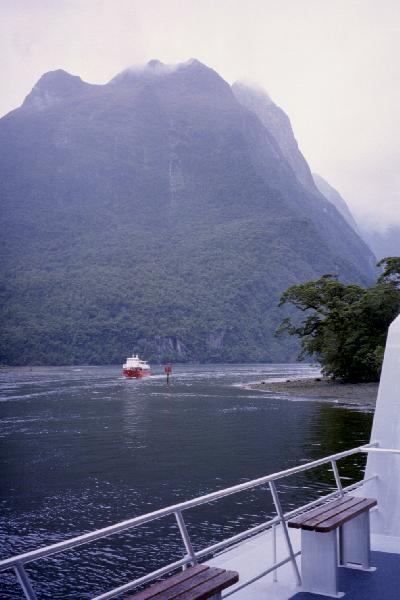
(345, 326)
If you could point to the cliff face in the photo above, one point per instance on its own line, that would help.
(278, 124)
(154, 212)
(336, 199)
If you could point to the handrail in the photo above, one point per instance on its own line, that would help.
(158, 514)
(17, 562)
(229, 542)
(275, 521)
(381, 450)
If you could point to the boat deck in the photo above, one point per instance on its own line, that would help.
(255, 555)
(383, 584)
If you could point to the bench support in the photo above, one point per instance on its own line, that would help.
(319, 559)
(354, 543)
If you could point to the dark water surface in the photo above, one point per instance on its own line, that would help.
(82, 448)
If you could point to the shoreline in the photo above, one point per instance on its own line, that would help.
(324, 390)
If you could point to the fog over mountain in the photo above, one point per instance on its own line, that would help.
(163, 211)
(383, 242)
(333, 196)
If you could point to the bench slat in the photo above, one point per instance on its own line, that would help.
(296, 522)
(215, 585)
(196, 583)
(332, 514)
(166, 584)
(346, 515)
(207, 576)
(313, 522)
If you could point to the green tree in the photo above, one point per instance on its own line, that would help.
(345, 326)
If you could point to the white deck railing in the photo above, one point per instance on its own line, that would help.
(17, 562)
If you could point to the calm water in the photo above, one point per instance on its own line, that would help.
(82, 448)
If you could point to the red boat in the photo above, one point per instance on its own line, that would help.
(135, 367)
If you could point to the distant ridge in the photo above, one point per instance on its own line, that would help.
(157, 212)
(383, 242)
(333, 196)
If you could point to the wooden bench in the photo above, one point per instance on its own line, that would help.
(334, 534)
(195, 583)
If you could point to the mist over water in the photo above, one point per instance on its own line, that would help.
(82, 448)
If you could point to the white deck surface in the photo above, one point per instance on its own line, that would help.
(256, 555)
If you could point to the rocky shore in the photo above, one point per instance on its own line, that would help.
(323, 389)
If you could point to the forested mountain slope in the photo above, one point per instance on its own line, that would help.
(155, 212)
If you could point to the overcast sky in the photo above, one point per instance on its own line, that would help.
(332, 65)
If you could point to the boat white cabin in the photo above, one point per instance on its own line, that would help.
(135, 367)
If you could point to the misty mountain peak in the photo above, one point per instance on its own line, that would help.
(190, 75)
(276, 121)
(52, 88)
(154, 68)
(251, 92)
(202, 79)
(154, 62)
(193, 62)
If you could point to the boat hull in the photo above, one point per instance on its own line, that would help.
(135, 373)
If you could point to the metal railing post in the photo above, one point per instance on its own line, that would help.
(274, 555)
(185, 536)
(24, 582)
(281, 516)
(337, 477)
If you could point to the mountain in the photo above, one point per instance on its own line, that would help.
(278, 124)
(155, 212)
(333, 196)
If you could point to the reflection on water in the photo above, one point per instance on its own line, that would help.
(83, 447)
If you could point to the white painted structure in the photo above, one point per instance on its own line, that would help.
(134, 362)
(386, 432)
